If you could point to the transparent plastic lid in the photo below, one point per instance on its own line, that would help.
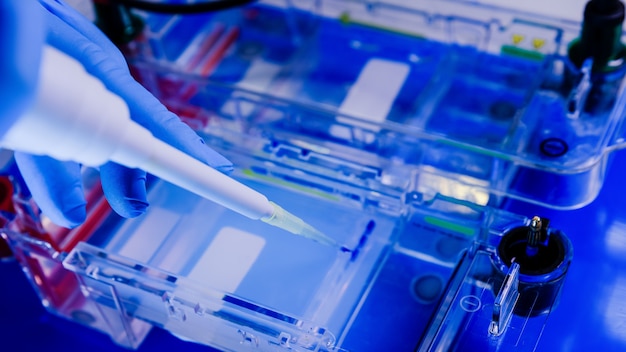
(484, 97)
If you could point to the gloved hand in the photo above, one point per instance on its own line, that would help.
(56, 186)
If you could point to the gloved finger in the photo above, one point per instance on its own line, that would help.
(125, 189)
(71, 33)
(21, 38)
(56, 186)
(144, 108)
(77, 23)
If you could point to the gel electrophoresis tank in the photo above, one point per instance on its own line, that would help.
(401, 132)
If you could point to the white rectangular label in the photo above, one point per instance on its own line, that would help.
(372, 95)
(228, 259)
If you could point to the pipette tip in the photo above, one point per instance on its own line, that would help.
(287, 221)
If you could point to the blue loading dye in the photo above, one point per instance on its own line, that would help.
(368, 231)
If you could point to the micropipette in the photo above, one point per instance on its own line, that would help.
(78, 119)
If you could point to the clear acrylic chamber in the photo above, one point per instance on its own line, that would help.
(402, 131)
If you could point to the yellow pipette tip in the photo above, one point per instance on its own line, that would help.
(289, 222)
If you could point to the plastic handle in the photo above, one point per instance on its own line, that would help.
(73, 118)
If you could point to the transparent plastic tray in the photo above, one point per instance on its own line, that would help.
(481, 95)
(209, 275)
(214, 277)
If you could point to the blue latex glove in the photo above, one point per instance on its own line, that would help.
(21, 38)
(56, 186)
